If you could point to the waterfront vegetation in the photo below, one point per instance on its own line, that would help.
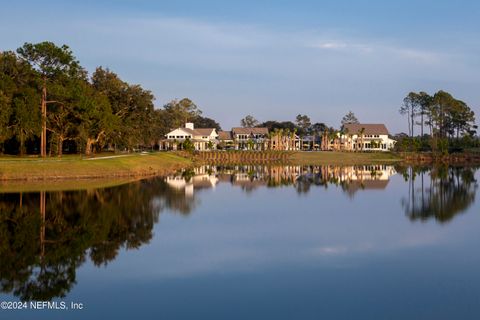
(445, 124)
(49, 105)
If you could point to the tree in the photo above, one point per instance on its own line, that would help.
(96, 120)
(26, 116)
(303, 123)
(249, 122)
(204, 122)
(5, 113)
(181, 111)
(361, 134)
(18, 99)
(424, 101)
(411, 108)
(188, 145)
(139, 122)
(272, 125)
(349, 118)
(319, 127)
(52, 63)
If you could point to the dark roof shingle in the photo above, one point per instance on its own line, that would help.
(369, 128)
(225, 135)
(240, 130)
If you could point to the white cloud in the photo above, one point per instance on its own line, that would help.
(330, 45)
(387, 51)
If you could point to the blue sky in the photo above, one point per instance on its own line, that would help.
(271, 59)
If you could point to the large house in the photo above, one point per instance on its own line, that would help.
(250, 138)
(365, 137)
(353, 137)
(202, 138)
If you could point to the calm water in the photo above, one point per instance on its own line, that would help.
(374, 242)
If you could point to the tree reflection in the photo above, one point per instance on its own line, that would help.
(440, 192)
(45, 237)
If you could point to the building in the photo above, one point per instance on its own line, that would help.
(365, 137)
(250, 138)
(226, 141)
(202, 138)
(284, 141)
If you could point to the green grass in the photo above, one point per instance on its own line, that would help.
(343, 158)
(124, 167)
(74, 167)
(16, 186)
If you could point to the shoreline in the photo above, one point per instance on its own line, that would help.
(76, 169)
(124, 168)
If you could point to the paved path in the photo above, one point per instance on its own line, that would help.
(110, 157)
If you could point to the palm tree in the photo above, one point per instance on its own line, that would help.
(324, 145)
(333, 137)
(293, 135)
(347, 140)
(362, 136)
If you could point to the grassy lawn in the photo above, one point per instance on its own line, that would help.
(16, 186)
(343, 158)
(108, 169)
(74, 167)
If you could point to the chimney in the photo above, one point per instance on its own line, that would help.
(189, 125)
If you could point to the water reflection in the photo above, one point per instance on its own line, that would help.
(46, 236)
(440, 192)
(250, 177)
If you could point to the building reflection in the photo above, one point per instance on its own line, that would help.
(250, 177)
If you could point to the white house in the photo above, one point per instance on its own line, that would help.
(366, 137)
(202, 138)
(246, 138)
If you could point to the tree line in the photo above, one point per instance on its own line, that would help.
(438, 123)
(49, 104)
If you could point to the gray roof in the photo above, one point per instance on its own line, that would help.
(240, 130)
(203, 131)
(225, 135)
(369, 128)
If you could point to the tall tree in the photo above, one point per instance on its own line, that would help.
(26, 116)
(303, 123)
(424, 101)
(410, 108)
(181, 111)
(349, 118)
(204, 122)
(132, 106)
(95, 115)
(18, 86)
(52, 63)
(5, 113)
(249, 122)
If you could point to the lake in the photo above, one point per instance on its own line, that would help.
(249, 242)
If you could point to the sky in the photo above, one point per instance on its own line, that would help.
(272, 59)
